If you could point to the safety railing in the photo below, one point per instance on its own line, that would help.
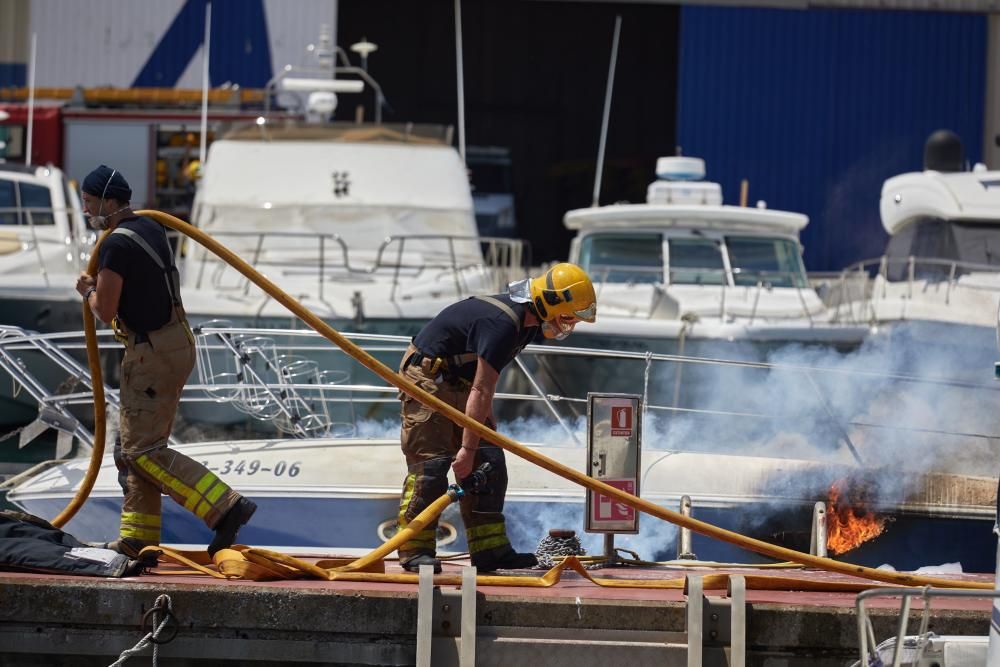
(294, 382)
(853, 296)
(913, 647)
(328, 257)
(759, 280)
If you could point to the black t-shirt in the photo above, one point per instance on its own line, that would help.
(145, 303)
(474, 325)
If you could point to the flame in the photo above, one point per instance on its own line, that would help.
(849, 523)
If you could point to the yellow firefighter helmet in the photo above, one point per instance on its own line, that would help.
(564, 290)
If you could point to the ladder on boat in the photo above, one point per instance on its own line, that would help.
(249, 371)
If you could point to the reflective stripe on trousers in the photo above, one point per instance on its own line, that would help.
(430, 442)
(153, 377)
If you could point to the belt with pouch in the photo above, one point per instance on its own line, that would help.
(432, 365)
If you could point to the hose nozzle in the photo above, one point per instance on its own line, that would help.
(478, 480)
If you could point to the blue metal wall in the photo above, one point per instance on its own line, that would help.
(13, 74)
(816, 108)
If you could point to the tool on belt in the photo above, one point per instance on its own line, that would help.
(433, 366)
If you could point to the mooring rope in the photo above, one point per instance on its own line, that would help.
(162, 605)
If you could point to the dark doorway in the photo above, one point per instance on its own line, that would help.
(535, 77)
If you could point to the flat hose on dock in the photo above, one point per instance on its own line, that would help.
(459, 418)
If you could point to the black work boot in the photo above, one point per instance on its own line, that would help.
(131, 547)
(134, 568)
(414, 563)
(229, 525)
(508, 560)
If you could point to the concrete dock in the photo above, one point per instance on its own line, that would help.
(80, 621)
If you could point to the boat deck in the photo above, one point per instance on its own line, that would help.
(44, 619)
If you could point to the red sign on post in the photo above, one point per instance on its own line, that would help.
(621, 420)
(606, 508)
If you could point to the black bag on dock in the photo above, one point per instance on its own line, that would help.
(31, 544)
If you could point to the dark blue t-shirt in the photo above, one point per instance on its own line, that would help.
(474, 325)
(145, 303)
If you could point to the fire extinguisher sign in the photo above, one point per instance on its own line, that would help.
(606, 508)
(621, 420)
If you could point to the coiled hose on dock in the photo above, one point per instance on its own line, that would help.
(459, 418)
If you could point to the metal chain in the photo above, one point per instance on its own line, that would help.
(11, 434)
(551, 550)
(163, 605)
(67, 385)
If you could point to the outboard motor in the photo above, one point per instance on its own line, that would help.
(943, 152)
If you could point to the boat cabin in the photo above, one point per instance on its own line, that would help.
(39, 213)
(685, 235)
(942, 220)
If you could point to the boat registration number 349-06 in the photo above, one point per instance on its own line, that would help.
(254, 466)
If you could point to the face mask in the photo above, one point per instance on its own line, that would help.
(100, 222)
(557, 328)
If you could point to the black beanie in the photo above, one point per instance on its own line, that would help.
(107, 183)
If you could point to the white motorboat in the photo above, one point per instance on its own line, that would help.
(760, 472)
(937, 286)
(368, 226)
(44, 243)
(366, 223)
(685, 272)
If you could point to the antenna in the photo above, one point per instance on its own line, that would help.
(460, 76)
(607, 110)
(207, 44)
(364, 48)
(31, 98)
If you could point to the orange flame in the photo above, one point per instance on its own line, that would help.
(849, 523)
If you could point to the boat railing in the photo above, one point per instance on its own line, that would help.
(329, 258)
(761, 281)
(913, 646)
(303, 386)
(852, 293)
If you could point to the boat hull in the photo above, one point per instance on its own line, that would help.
(342, 494)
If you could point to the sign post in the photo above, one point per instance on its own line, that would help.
(614, 437)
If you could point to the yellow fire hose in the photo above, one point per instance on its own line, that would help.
(459, 418)
(241, 562)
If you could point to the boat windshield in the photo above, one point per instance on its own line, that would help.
(637, 257)
(696, 261)
(623, 258)
(935, 244)
(25, 203)
(772, 261)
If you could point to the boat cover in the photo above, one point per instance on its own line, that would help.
(28, 543)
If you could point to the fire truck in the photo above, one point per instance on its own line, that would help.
(151, 134)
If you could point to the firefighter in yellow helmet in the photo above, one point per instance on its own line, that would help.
(458, 357)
